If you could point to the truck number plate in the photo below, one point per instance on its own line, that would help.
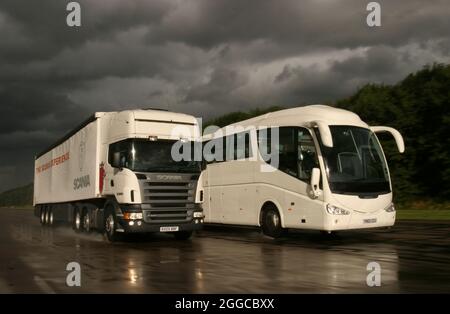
(169, 229)
(370, 221)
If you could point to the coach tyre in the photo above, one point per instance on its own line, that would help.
(182, 235)
(271, 222)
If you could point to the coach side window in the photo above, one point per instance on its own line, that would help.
(295, 148)
(307, 156)
(242, 146)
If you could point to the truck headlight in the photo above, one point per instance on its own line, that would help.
(132, 216)
(198, 214)
(390, 208)
(334, 210)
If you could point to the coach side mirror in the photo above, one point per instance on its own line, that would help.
(315, 180)
(396, 134)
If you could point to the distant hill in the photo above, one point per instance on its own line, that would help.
(20, 196)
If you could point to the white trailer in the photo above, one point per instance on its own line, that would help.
(331, 173)
(115, 173)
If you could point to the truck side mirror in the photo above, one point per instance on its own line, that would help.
(315, 180)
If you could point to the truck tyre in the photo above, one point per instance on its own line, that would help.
(42, 216)
(47, 216)
(86, 221)
(77, 224)
(182, 235)
(110, 225)
(271, 222)
(50, 217)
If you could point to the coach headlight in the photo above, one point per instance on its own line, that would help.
(334, 210)
(390, 208)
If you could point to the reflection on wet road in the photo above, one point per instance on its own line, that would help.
(414, 257)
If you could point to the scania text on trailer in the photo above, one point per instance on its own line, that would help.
(115, 173)
(331, 173)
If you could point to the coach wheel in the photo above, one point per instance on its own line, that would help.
(271, 223)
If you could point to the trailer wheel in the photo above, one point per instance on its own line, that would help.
(86, 221)
(47, 216)
(182, 235)
(50, 217)
(77, 221)
(110, 225)
(271, 222)
(42, 216)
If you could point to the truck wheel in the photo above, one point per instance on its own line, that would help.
(77, 221)
(271, 223)
(182, 235)
(86, 221)
(110, 226)
(50, 217)
(42, 216)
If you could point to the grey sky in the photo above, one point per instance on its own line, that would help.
(200, 57)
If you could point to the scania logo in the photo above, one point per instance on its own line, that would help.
(167, 177)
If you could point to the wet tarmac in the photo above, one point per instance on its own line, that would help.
(413, 256)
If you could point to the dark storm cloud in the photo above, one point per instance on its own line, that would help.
(222, 83)
(301, 25)
(196, 56)
(31, 108)
(42, 24)
(311, 84)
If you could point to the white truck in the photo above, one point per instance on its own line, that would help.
(115, 173)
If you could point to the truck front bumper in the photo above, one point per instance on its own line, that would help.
(140, 226)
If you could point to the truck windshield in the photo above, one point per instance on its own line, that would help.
(142, 155)
(355, 164)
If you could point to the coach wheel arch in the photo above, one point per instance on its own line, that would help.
(271, 220)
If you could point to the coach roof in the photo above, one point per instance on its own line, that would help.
(303, 116)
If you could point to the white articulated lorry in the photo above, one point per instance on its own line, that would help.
(115, 173)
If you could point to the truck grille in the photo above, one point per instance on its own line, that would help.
(168, 198)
